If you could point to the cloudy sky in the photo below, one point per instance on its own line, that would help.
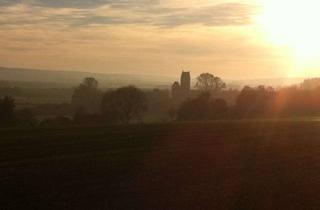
(159, 37)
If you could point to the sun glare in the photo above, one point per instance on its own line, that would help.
(293, 24)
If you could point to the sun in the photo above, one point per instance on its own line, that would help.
(293, 24)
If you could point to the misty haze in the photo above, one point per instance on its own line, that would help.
(158, 104)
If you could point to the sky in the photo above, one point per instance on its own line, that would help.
(231, 39)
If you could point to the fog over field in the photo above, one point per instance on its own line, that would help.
(21, 77)
(72, 78)
(159, 104)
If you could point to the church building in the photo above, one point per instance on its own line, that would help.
(182, 90)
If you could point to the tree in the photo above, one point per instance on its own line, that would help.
(87, 97)
(124, 105)
(176, 90)
(219, 108)
(207, 82)
(7, 106)
(255, 101)
(109, 107)
(195, 109)
(172, 112)
(90, 82)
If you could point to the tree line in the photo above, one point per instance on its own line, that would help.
(258, 102)
(120, 106)
(129, 104)
(123, 105)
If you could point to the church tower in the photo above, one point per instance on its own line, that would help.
(185, 83)
(182, 91)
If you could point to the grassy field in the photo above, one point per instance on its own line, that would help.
(218, 165)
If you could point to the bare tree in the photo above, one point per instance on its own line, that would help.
(207, 82)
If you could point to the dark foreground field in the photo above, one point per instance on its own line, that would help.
(235, 165)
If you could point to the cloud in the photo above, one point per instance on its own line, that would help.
(82, 13)
(79, 3)
(129, 36)
(9, 2)
(217, 15)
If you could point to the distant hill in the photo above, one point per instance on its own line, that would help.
(65, 79)
(50, 78)
(269, 82)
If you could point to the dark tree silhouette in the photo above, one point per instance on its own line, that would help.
(176, 90)
(87, 97)
(255, 101)
(109, 107)
(124, 105)
(7, 106)
(219, 108)
(90, 82)
(195, 109)
(207, 82)
(172, 112)
(202, 108)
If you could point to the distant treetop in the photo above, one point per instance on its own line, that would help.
(207, 82)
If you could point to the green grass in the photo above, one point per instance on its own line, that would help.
(214, 165)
